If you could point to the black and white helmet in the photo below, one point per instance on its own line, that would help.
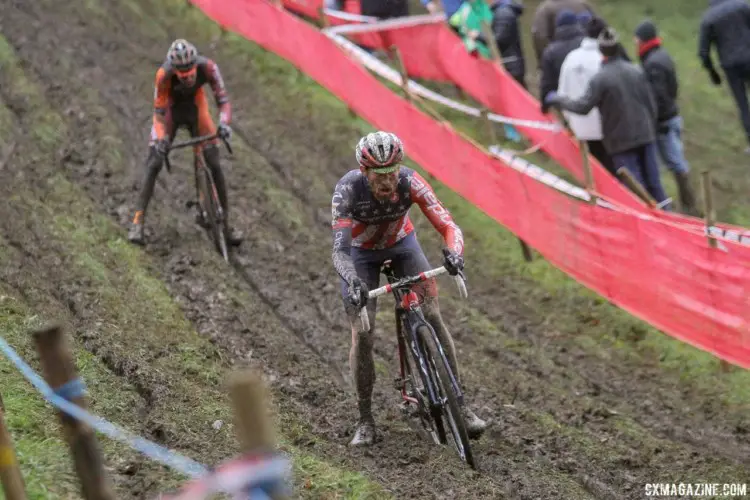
(182, 55)
(380, 151)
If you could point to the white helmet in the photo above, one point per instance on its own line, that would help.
(182, 55)
(381, 151)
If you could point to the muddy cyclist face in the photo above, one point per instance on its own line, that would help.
(383, 186)
(187, 77)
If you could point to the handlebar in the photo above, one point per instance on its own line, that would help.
(193, 142)
(408, 281)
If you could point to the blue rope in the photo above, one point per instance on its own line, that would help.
(267, 476)
(75, 388)
(152, 450)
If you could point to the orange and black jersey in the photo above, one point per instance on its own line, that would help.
(170, 91)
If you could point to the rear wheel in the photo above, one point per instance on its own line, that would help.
(448, 407)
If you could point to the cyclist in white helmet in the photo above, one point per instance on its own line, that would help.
(180, 101)
(371, 224)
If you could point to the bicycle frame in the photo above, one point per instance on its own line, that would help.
(409, 315)
(217, 225)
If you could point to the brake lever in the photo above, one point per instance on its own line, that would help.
(460, 279)
(365, 318)
(229, 146)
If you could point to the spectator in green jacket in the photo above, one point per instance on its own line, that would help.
(468, 21)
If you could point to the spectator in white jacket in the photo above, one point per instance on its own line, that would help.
(579, 66)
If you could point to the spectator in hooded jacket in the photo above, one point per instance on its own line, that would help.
(544, 24)
(568, 37)
(505, 27)
(628, 111)
(577, 70)
(661, 73)
(726, 24)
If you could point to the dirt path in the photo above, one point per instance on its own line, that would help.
(567, 424)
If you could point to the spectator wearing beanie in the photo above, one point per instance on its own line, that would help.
(543, 26)
(726, 24)
(628, 111)
(660, 71)
(595, 27)
(568, 37)
(577, 70)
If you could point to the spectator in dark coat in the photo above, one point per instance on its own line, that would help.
(661, 73)
(568, 37)
(505, 26)
(726, 24)
(385, 9)
(543, 26)
(628, 110)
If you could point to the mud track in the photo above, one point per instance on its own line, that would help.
(286, 161)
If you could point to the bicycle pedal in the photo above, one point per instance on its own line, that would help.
(398, 383)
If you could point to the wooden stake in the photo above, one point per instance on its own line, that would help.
(635, 186)
(708, 206)
(588, 174)
(254, 428)
(10, 472)
(398, 60)
(59, 369)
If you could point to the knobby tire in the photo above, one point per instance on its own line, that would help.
(210, 206)
(452, 411)
(432, 426)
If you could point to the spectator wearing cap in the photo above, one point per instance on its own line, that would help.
(568, 37)
(577, 70)
(507, 32)
(628, 114)
(543, 26)
(726, 24)
(661, 73)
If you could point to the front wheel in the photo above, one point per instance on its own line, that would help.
(447, 404)
(216, 223)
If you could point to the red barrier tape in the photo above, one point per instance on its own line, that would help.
(664, 274)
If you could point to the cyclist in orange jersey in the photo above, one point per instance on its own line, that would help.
(180, 101)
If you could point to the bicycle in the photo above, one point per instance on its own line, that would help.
(433, 388)
(209, 206)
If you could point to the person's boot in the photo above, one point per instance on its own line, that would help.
(687, 195)
(475, 426)
(135, 234)
(364, 434)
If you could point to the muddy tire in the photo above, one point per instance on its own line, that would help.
(450, 411)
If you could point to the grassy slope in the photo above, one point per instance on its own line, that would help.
(111, 270)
